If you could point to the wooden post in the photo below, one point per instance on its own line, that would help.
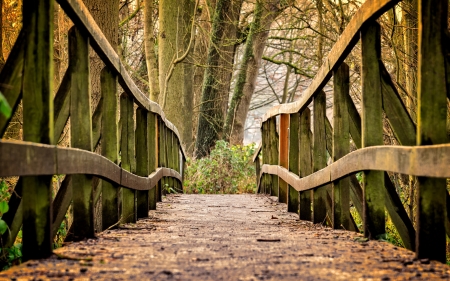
(265, 157)
(341, 147)
(81, 131)
(37, 93)
(305, 162)
(110, 199)
(372, 129)
(161, 156)
(152, 120)
(127, 156)
(431, 125)
(273, 139)
(283, 158)
(294, 128)
(142, 160)
(319, 156)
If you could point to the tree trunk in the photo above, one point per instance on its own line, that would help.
(150, 55)
(211, 110)
(175, 19)
(251, 61)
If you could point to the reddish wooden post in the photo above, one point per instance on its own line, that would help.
(283, 159)
(431, 125)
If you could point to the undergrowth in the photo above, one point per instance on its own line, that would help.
(228, 169)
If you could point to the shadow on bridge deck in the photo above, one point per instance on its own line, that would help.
(227, 237)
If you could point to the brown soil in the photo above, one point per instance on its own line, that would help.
(227, 237)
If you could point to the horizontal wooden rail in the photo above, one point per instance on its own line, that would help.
(423, 161)
(81, 17)
(31, 159)
(370, 10)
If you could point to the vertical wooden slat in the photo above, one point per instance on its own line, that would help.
(142, 160)
(161, 156)
(265, 157)
(372, 129)
(273, 139)
(294, 127)
(431, 125)
(37, 93)
(341, 147)
(320, 156)
(305, 161)
(152, 155)
(127, 155)
(283, 158)
(110, 191)
(81, 131)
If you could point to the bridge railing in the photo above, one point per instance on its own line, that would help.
(294, 153)
(135, 165)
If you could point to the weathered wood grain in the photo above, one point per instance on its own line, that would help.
(319, 156)
(306, 162)
(61, 105)
(61, 204)
(283, 156)
(152, 136)
(294, 153)
(432, 125)
(142, 154)
(274, 152)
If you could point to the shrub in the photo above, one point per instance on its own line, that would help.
(228, 169)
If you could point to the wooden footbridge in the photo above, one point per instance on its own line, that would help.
(238, 237)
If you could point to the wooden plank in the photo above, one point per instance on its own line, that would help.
(61, 204)
(81, 131)
(11, 77)
(97, 125)
(127, 156)
(13, 218)
(37, 98)
(61, 104)
(306, 165)
(161, 155)
(283, 156)
(265, 157)
(368, 12)
(341, 147)
(354, 122)
(110, 191)
(431, 126)
(401, 123)
(142, 160)
(372, 129)
(319, 156)
(273, 158)
(294, 152)
(152, 154)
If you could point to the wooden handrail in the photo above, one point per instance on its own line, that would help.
(79, 14)
(370, 10)
(31, 159)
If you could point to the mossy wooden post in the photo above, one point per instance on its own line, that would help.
(372, 129)
(110, 199)
(305, 156)
(177, 163)
(265, 158)
(341, 147)
(37, 93)
(161, 156)
(142, 154)
(127, 155)
(81, 131)
(152, 120)
(273, 139)
(294, 128)
(319, 156)
(431, 125)
(168, 181)
(283, 158)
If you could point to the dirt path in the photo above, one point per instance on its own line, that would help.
(227, 237)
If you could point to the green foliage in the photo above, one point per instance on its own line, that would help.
(228, 169)
(5, 109)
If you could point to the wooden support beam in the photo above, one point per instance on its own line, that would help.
(152, 120)
(127, 156)
(14, 216)
(273, 158)
(142, 160)
(264, 184)
(319, 157)
(61, 105)
(110, 146)
(61, 204)
(283, 157)
(37, 93)
(431, 126)
(372, 129)
(306, 164)
(294, 152)
(161, 155)
(341, 147)
(81, 131)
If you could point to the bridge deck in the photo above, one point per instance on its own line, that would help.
(227, 237)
